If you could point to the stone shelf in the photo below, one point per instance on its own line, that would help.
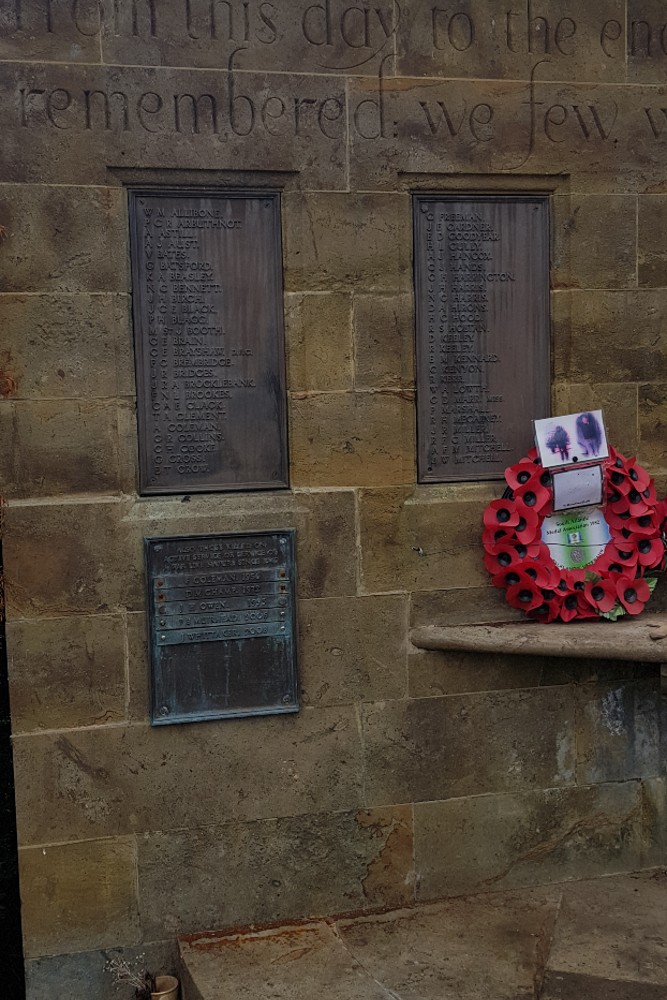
(642, 639)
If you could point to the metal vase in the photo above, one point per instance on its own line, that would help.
(166, 988)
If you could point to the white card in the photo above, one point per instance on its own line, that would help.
(577, 487)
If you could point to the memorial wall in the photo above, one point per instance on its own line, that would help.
(282, 286)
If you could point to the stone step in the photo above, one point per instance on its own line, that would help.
(603, 939)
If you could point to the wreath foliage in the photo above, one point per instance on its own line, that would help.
(619, 581)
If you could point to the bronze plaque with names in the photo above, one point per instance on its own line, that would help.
(482, 328)
(209, 341)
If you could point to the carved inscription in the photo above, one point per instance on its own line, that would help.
(482, 286)
(209, 341)
(221, 610)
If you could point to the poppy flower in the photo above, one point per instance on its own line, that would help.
(548, 611)
(492, 537)
(637, 504)
(538, 573)
(633, 594)
(520, 474)
(600, 594)
(650, 551)
(507, 578)
(525, 595)
(619, 504)
(501, 513)
(534, 496)
(618, 479)
(506, 556)
(528, 527)
(574, 606)
(616, 553)
(617, 521)
(645, 524)
(638, 476)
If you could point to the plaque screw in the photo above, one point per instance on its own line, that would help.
(163, 637)
(286, 699)
(164, 711)
(163, 623)
(282, 628)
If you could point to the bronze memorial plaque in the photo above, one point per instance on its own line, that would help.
(209, 344)
(482, 327)
(221, 612)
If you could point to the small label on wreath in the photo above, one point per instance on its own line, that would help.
(576, 538)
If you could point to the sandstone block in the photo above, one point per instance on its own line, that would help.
(654, 821)
(618, 732)
(62, 346)
(343, 241)
(64, 447)
(421, 539)
(352, 439)
(596, 335)
(583, 254)
(489, 40)
(138, 666)
(79, 896)
(352, 649)
(504, 841)
(62, 239)
(383, 342)
(652, 417)
(652, 240)
(54, 32)
(70, 558)
(319, 341)
(646, 41)
(436, 748)
(272, 870)
(66, 672)
(433, 673)
(115, 780)
(65, 124)
(464, 606)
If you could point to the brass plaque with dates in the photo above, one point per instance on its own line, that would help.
(222, 626)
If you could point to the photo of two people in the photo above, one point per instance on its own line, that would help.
(572, 438)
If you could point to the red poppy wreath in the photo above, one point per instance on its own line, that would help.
(619, 580)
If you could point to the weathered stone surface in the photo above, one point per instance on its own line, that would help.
(618, 732)
(62, 239)
(88, 556)
(618, 401)
(652, 417)
(604, 137)
(491, 40)
(436, 951)
(114, 780)
(654, 821)
(138, 669)
(319, 341)
(75, 124)
(423, 539)
(652, 240)
(432, 673)
(79, 896)
(54, 32)
(646, 41)
(61, 346)
(596, 335)
(352, 439)
(338, 242)
(61, 446)
(574, 985)
(616, 923)
(66, 672)
(275, 870)
(274, 37)
(352, 649)
(69, 558)
(430, 748)
(81, 974)
(383, 342)
(583, 256)
(548, 835)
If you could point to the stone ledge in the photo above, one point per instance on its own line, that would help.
(642, 640)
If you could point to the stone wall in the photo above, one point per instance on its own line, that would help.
(407, 775)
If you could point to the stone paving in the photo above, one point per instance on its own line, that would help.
(601, 939)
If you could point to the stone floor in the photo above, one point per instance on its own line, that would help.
(603, 939)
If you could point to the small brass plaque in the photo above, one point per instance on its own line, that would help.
(222, 626)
